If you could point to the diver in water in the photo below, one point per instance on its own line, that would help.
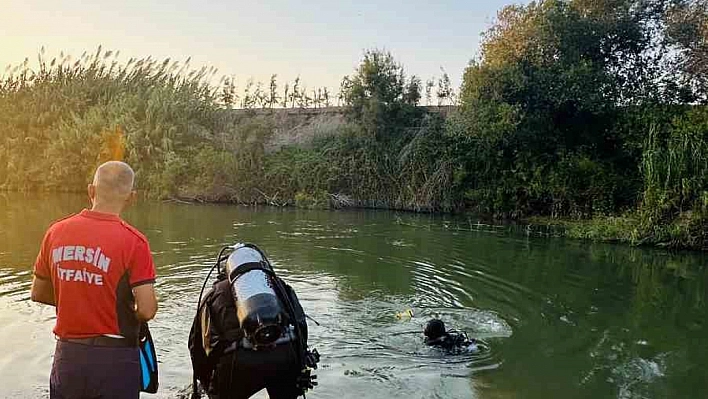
(436, 335)
(250, 333)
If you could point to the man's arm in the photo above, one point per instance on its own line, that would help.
(42, 291)
(145, 302)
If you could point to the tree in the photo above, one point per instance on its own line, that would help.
(286, 97)
(344, 87)
(429, 84)
(613, 40)
(378, 79)
(273, 91)
(295, 95)
(378, 95)
(445, 92)
(412, 92)
(325, 97)
(248, 99)
(260, 98)
(687, 32)
(228, 92)
(303, 100)
(548, 87)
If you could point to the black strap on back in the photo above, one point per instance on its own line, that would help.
(250, 266)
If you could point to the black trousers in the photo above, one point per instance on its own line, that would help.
(244, 372)
(94, 372)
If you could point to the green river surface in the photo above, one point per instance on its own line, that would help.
(559, 318)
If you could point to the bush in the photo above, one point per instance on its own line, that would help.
(317, 200)
(60, 121)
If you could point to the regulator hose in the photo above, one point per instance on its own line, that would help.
(219, 259)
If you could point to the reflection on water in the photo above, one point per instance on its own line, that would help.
(558, 319)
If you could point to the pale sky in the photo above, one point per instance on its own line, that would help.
(321, 41)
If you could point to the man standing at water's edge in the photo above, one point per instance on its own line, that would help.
(99, 273)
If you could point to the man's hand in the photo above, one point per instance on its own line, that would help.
(145, 302)
(42, 291)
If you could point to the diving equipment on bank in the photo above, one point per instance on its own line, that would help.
(249, 308)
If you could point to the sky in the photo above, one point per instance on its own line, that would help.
(320, 41)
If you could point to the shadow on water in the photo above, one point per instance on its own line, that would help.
(558, 318)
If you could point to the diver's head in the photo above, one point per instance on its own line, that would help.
(434, 329)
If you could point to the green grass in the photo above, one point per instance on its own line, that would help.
(687, 231)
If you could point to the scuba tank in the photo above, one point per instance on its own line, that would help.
(266, 313)
(258, 308)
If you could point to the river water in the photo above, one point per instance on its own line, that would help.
(559, 319)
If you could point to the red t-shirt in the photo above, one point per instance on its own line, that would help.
(94, 260)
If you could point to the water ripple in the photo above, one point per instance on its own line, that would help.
(554, 319)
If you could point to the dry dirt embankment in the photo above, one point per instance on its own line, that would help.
(300, 125)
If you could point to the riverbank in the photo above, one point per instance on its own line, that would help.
(686, 232)
(595, 130)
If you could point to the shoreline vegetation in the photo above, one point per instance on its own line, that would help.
(591, 116)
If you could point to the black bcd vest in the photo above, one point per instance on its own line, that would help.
(217, 312)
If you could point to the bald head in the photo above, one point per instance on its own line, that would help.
(113, 182)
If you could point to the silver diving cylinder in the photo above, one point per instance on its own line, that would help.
(258, 308)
